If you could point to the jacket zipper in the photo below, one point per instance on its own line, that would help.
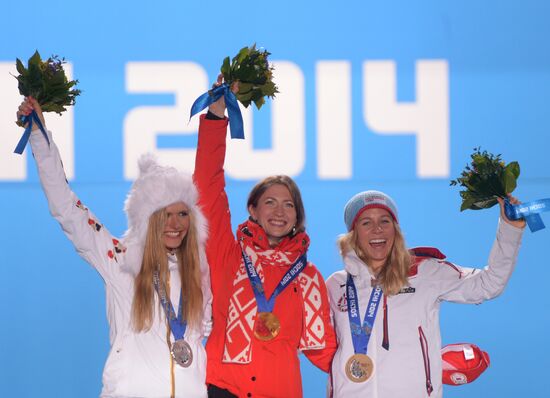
(426, 357)
(386, 338)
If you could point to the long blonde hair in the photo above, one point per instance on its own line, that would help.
(393, 275)
(155, 259)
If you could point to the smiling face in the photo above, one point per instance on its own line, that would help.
(176, 225)
(375, 234)
(275, 212)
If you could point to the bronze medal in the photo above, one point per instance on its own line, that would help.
(359, 368)
(267, 326)
(181, 352)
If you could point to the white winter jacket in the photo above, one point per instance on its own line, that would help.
(411, 366)
(139, 363)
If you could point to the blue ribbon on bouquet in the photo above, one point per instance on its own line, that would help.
(529, 211)
(211, 96)
(33, 116)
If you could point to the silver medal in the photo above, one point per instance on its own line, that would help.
(181, 352)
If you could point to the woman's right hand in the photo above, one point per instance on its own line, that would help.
(218, 107)
(27, 106)
(513, 200)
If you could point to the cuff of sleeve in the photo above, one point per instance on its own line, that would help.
(508, 231)
(212, 116)
(212, 124)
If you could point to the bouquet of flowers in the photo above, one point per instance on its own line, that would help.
(254, 74)
(485, 179)
(47, 83)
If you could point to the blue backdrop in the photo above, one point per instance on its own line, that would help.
(389, 95)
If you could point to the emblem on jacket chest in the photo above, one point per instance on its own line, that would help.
(342, 303)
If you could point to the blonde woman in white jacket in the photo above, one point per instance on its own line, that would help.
(156, 277)
(390, 298)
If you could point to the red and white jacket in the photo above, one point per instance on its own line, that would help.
(407, 324)
(267, 369)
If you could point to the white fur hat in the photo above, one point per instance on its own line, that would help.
(157, 187)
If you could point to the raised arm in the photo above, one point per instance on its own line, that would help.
(476, 285)
(210, 179)
(91, 239)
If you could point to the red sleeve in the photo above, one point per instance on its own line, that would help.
(210, 180)
(323, 358)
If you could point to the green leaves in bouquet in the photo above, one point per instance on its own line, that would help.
(251, 69)
(511, 174)
(485, 179)
(47, 83)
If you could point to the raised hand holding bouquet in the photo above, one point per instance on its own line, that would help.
(488, 178)
(253, 73)
(45, 81)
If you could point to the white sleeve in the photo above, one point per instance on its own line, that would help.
(471, 285)
(91, 239)
(207, 302)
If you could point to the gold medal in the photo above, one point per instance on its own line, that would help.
(267, 326)
(359, 368)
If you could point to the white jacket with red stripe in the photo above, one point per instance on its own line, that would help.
(411, 367)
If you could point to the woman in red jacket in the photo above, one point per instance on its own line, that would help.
(269, 302)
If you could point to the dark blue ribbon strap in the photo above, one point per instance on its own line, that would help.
(265, 305)
(211, 96)
(360, 334)
(257, 286)
(177, 324)
(33, 116)
(529, 211)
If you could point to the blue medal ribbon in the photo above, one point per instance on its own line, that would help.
(265, 305)
(211, 96)
(360, 334)
(177, 324)
(529, 211)
(33, 116)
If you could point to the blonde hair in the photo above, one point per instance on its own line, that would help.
(156, 260)
(393, 276)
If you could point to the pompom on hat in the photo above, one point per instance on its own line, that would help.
(368, 200)
(157, 187)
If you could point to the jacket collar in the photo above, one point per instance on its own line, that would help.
(251, 233)
(172, 261)
(357, 268)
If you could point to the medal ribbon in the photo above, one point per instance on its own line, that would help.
(360, 335)
(33, 116)
(529, 211)
(265, 305)
(211, 96)
(177, 324)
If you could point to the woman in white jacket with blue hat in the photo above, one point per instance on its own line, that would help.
(156, 277)
(385, 303)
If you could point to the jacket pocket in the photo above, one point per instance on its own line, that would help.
(426, 358)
